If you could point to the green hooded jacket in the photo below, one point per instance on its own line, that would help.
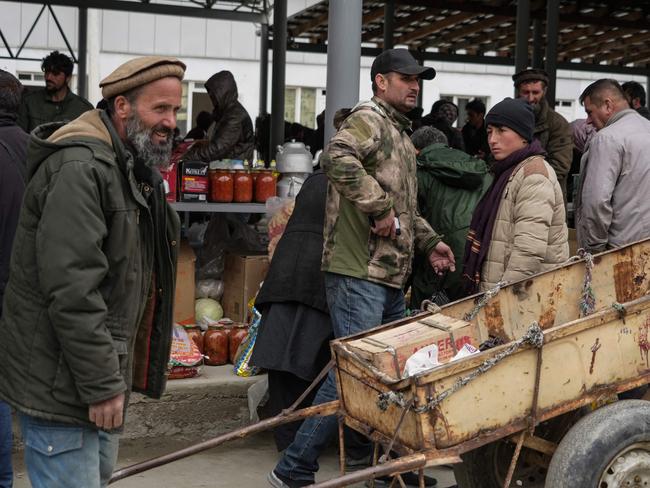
(92, 238)
(450, 185)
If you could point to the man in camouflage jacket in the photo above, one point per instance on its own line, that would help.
(372, 227)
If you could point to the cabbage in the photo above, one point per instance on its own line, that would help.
(207, 309)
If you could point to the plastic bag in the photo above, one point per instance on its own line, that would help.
(439, 296)
(185, 358)
(209, 289)
(224, 232)
(257, 395)
(280, 211)
(245, 349)
(422, 360)
(466, 350)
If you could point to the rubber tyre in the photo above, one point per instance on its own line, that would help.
(594, 441)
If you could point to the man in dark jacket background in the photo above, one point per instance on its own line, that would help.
(88, 307)
(552, 130)
(13, 151)
(55, 101)
(231, 134)
(635, 94)
(450, 185)
(475, 131)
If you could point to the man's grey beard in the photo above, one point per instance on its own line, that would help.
(145, 150)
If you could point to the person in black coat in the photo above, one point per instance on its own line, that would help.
(231, 135)
(293, 340)
(13, 153)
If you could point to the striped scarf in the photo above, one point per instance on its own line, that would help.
(482, 225)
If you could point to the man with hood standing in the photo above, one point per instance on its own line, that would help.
(551, 129)
(88, 305)
(231, 134)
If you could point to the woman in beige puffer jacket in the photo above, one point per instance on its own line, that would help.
(518, 229)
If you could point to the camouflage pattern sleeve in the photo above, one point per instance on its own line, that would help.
(425, 237)
(350, 160)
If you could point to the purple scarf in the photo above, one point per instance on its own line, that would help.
(480, 229)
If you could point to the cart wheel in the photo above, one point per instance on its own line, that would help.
(609, 448)
(487, 467)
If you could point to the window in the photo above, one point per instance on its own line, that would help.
(461, 102)
(565, 108)
(300, 106)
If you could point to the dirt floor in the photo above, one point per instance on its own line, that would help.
(242, 464)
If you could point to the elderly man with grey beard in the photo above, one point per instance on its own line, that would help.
(88, 307)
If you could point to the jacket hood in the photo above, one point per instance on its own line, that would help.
(452, 167)
(222, 89)
(87, 130)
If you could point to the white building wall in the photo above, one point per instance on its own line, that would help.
(208, 46)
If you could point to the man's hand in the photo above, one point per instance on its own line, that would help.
(107, 414)
(442, 258)
(386, 226)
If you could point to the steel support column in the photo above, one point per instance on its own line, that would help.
(389, 24)
(278, 73)
(552, 25)
(522, 28)
(264, 68)
(538, 44)
(420, 60)
(343, 58)
(82, 56)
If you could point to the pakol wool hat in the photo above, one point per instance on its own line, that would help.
(400, 61)
(140, 71)
(514, 114)
(531, 74)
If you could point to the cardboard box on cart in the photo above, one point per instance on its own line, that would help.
(388, 349)
(242, 276)
(185, 285)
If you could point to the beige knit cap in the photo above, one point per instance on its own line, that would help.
(140, 71)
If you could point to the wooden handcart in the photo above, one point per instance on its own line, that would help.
(542, 405)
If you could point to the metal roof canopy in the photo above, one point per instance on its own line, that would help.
(243, 11)
(582, 35)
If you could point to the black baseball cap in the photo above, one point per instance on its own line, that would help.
(400, 61)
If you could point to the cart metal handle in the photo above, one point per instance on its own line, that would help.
(323, 409)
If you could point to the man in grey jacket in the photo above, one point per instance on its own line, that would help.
(612, 207)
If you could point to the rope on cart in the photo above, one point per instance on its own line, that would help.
(483, 301)
(533, 336)
(587, 299)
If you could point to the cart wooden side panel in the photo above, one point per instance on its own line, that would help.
(583, 359)
(580, 361)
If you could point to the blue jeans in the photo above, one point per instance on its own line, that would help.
(6, 440)
(355, 305)
(59, 455)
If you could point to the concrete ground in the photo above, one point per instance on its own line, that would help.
(241, 464)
